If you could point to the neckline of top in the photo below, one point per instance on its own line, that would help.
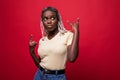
(53, 36)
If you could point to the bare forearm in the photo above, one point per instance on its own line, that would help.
(34, 57)
(73, 49)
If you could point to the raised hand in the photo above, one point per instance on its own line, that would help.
(73, 49)
(75, 26)
(32, 43)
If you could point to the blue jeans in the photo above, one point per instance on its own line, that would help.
(41, 76)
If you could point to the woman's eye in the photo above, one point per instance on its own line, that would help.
(52, 18)
(44, 19)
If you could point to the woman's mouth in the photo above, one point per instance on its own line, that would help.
(50, 26)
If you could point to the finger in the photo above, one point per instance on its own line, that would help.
(77, 21)
(34, 43)
(70, 23)
(31, 37)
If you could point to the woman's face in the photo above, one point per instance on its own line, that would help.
(50, 20)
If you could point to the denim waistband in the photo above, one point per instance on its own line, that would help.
(46, 71)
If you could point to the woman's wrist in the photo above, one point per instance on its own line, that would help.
(76, 31)
(31, 48)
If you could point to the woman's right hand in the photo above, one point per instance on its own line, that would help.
(32, 44)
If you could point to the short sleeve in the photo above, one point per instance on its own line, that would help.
(41, 40)
(69, 38)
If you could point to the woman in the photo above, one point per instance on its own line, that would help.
(56, 46)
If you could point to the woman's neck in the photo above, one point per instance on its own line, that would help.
(51, 34)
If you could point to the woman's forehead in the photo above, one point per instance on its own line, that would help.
(49, 13)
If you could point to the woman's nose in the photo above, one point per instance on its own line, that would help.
(49, 21)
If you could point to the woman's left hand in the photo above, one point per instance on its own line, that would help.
(75, 26)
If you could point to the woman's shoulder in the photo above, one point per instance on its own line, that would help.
(68, 32)
(41, 39)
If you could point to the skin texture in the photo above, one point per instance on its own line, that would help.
(50, 22)
(73, 48)
(32, 45)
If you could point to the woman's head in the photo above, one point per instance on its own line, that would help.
(52, 10)
(51, 20)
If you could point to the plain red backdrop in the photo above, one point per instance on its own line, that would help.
(99, 37)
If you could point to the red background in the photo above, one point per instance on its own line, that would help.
(99, 40)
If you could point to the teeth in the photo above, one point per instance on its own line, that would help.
(49, 26)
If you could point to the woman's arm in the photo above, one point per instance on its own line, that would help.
(32, 45)
(73, 49)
